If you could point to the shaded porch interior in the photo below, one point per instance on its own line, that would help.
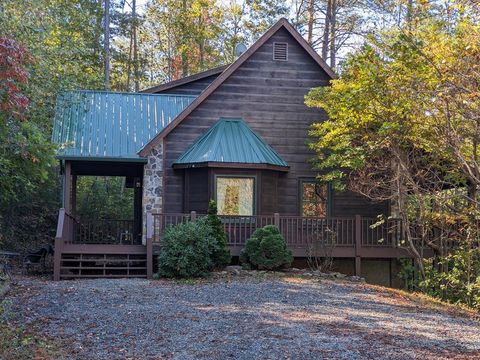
(97, 226)
(96, 246)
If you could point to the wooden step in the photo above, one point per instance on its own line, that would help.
(101, 265)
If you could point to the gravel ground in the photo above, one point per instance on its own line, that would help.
(245, 318)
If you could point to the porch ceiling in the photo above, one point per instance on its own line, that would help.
(107, 168)
(231, 142)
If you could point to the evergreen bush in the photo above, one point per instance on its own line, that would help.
(221, 253)
(186, 251)
(266, 249)
(194, 249)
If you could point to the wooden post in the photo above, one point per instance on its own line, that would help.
(137, 209)
(149, 258)
(74, 196)
(149, 244)
(193, 215)
(358, 245)
(57, 256)
(67, 187)
(276, 220)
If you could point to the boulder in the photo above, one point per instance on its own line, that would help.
(234, 269)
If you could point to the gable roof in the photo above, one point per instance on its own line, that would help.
(282, 23)
(232, 142)
(188, 79)
(100, 125)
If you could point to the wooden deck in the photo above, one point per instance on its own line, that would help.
(356, 237)
(349, 237)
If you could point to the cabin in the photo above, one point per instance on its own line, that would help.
(237, 134)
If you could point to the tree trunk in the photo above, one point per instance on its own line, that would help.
(169, 58)
(311, 19)
(135, 46)
(201, 47)
(326, 31)
(409, 16)
(333, 25)
(184, 53)
(106, 29)
(129, 61)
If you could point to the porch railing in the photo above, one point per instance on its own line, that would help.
(299, 232)
(105, 231)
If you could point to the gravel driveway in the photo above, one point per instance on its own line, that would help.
(245, 318)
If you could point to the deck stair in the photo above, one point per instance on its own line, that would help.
(87, 265)
(76, 258)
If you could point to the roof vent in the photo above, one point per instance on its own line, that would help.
(280, 51)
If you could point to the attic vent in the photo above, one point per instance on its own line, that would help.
(280, 51)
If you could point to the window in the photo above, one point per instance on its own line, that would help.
(235, 195)
(314, 198)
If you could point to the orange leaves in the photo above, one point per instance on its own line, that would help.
(13, 59)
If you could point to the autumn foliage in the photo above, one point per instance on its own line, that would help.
(13, 59)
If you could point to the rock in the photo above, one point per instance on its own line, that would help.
(356, 278)
(234, 269)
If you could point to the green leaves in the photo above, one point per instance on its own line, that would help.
(388, 98)
(58, 47)
(193, 249)
(460, 283)
(266, 249)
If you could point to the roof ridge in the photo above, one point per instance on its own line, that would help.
(187, 79)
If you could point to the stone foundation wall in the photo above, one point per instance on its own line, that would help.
(152, 184)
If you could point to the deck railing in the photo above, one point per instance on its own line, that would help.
(299, 232)
(105, 231)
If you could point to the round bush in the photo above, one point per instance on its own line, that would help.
(186, 251)
(266, 249)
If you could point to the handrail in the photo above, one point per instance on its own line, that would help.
(64, 233)
(299, 231)
(100, 231)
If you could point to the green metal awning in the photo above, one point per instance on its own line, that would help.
(100, 125)
(231, 143)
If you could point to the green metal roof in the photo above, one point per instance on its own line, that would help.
(231, 141)
(111, 125)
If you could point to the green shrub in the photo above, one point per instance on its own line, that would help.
(221, 255)
(460, 284)
(187, 251)
(266, 249)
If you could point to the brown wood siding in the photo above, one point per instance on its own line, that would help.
(269, 96)
(350, 204)
(268, 192)
(196, 190)
(192, 88)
